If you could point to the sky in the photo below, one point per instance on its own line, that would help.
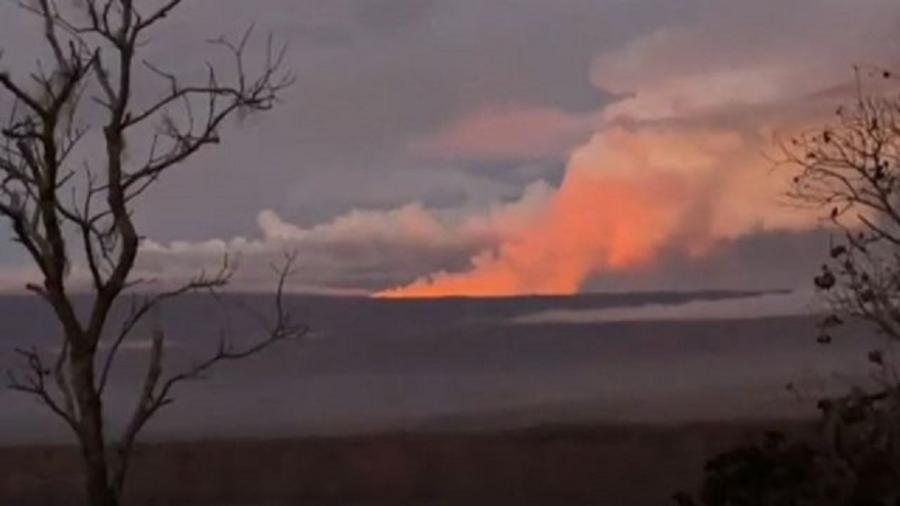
(502, 147)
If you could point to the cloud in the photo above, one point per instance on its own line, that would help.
(660, 78)
(739, 56)
(628, 195)
(355, 253)
(504, 133)
(677, 164)
(350, 254)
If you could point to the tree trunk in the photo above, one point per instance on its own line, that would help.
(93, 444)
(98, 492)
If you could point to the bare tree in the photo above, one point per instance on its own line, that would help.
(851, 170)
(67, 213)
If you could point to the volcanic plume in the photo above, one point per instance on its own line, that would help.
(626, 195)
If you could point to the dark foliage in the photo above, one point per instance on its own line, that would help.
(771, 472)
(851, 459)
(851, 170)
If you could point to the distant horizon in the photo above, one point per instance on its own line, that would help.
(735, 292)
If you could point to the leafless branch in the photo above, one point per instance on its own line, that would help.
(34, 383)
(851, 169)
(141, 309)
(96, 48)
(156, 393)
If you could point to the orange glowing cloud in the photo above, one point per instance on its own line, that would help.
(626, 195)
(508, 132)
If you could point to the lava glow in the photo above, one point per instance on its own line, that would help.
(624, 198)
(591, 224)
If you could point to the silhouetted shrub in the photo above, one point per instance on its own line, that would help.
(772, 472)
(852, 458)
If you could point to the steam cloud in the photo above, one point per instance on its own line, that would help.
(679, 161)
(627, 194)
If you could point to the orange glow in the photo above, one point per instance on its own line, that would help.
(626, 196)
(594, 221)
